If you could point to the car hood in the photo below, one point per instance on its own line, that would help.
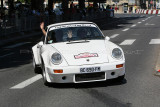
(82, 53)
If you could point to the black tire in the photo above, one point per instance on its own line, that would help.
(37, 69)
(46, 83)
(121, 78)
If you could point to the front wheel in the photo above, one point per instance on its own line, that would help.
(121, 78)
(37, 69)
(44, 76)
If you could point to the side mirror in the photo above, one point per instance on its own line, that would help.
(107, 38)
(40, 44)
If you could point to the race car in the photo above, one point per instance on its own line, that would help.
(77, 52)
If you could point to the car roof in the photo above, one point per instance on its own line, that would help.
(73, 22)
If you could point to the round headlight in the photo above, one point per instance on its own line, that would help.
(56, 58)
(116, 53)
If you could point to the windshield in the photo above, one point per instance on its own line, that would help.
(73, 34)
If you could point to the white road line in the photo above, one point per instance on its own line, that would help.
(143, 20)
(27, 82)
(6, 55)
(113, 36)
(127, 42)
(154, 41)
(133, 25)
(149, 24)
(139, 22)
(16, 45)
(121, 25)
(125, 29)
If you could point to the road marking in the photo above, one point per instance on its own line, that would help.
(17, 45)
(6, 55)
(113, 36)
(154, 41)
(149, 24)
(133, 25)
(127, 42)
(27, 82)
(139, 22)
(125, 29)
(121, 25)
(143, 20)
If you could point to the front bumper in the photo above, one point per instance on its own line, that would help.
(69, 74)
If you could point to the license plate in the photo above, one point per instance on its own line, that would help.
(90, 69)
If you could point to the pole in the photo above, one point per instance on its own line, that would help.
(2, 4)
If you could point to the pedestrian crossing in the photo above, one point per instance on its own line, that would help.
(155, 41)
(129, 42)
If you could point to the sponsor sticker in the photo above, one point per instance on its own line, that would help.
(85, 55)
(72, 25)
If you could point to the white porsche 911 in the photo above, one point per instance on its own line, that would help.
(75, 52)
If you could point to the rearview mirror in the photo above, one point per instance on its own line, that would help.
(107, 38)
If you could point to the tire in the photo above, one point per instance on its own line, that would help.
(121, 78)
(37, 69)
(46, 83)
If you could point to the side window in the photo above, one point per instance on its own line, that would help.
(96, 32)
(51, 37)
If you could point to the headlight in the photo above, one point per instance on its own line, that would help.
(117, 53)
(56, 58)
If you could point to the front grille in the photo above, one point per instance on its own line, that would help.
(90, 76)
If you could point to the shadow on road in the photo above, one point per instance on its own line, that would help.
(18, 56)
(117, 23)
(112, 82)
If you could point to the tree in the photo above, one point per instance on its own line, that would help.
(11, 6)
(65, 4)
(37, 4)
(81, 4)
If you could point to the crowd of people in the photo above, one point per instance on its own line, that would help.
(57, 14)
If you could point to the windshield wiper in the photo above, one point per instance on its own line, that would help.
(77, 41)
(95, 37)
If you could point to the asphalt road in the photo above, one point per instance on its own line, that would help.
(138, 35)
